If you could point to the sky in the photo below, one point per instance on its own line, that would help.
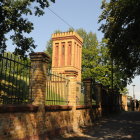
(78, 14)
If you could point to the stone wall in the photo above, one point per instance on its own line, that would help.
(32, 124)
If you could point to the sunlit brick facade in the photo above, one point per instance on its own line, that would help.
(67, 53)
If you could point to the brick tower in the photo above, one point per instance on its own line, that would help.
(67, 53)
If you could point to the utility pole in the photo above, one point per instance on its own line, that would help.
(112, 80)
(133, 92)
(134, 101)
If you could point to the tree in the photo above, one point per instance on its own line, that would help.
(121, 27)
(90, 53)
(107, 70)
(13, 19)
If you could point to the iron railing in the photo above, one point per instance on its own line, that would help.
(94, 93)
(56, 89)
(14, 79)
(81, 94)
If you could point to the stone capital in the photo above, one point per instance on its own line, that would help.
(39, 56)
(88, 80)
(71, 73)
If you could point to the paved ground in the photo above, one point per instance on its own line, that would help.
(124, 126)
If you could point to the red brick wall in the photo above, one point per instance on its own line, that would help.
(33, 124)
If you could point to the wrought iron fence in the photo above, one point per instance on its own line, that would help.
(81, 94)
(94, 93)
(14, 79)
(57, 89)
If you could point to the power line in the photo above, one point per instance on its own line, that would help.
(60, 18)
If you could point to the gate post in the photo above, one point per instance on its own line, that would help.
(99, 94)
(99, 97)
(72, 75)
(88, 88)
(38, 77)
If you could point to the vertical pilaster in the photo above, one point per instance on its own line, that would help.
(38, 77)
(53, 55)
(77, 56)
(59, 54)
(66, 53)
(80, 57)
(73, 52)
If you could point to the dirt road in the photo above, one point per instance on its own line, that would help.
(125, 126)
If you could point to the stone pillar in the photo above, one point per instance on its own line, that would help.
(72, 75)
(124, 102)
(38, 77)
(99, 94)
(99, 98)
(88, 89)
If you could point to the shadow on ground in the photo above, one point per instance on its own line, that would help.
(125, 126)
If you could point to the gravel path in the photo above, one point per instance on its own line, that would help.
(125, 126)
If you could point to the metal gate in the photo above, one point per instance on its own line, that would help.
(56, 89)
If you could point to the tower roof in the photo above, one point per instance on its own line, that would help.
(67, 35)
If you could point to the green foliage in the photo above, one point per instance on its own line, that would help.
(120, 25)
(90, 53)
(124, 91)
(13, 20)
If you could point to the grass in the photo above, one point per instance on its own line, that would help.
(14, 88)
(81, 100)
(53, 98)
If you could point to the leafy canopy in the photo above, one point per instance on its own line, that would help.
(121, 26)
(13, 19)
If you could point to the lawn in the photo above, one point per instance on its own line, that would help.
(53, 98)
